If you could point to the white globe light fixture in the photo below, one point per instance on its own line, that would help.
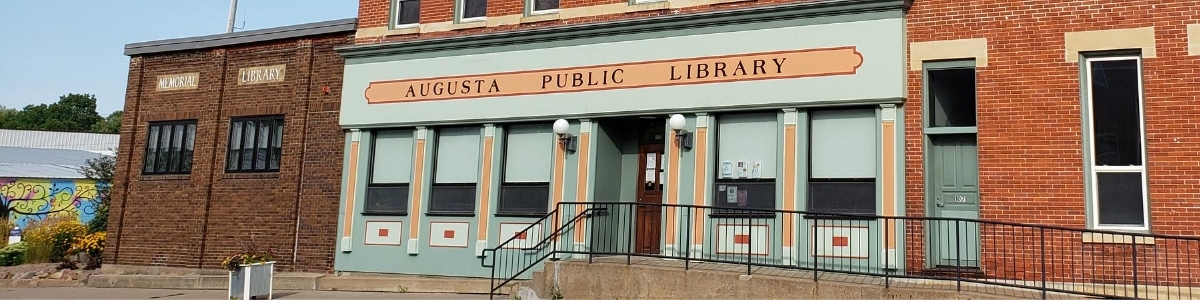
(567, 141)
(683, 137)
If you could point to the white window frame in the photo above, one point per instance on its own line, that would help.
(533, 11)
(396, 16)
(1094, 188)
(461, 9)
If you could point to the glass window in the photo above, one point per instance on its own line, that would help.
(952, 97)
(169, 147)
(1114, 95)
(456, 171)
(406, 12)
(473, 9)
(746, 161)
(542, 5)
(391, 169)
(255, 144)
(842, 161)
(528, 153)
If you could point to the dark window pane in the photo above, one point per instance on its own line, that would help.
(952, 95)
(235, 145)
(744, 194)
(276, 145)
(387, 199)
(248, 145)
(151, 150)
(452, 199)
(474, 8)
(842, 197)
(1116, 113)
(409, 12)
(264, 137)
(176, 148)
(189, 147)
(164, 150)
(1120, 198)
(524, 199)
(545, 4)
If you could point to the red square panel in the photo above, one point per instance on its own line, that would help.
(448, 234)
(741, 239)
(841, 241)
(383, 232)
(520, 235)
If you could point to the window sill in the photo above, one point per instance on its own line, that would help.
(741, 216)
(158, 177)
(404, 29)
(479, 22)
(1111, 238)
(541, 16)
(648, 5)
(521, 215)
(839, 217)
(729, 1)
(397, 214)
(272, 175)
(450, 214)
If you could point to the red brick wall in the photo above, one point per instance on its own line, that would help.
(373, 13)
(1029, 115)
(196, 220)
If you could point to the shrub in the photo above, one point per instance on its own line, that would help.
(12, 255)
(50, 240)
(92, 245)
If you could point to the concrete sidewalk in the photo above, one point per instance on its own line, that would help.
(126, 293)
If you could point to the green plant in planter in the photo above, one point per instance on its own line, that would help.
(250, 254)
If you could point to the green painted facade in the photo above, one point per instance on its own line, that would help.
(874, 28)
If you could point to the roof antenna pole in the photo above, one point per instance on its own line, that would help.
(232, 15)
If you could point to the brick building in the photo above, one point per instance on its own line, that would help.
(228, 138)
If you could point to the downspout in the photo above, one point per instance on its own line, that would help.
(137, 102)
(212, 166)
(303, 153)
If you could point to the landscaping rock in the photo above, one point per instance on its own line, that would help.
(27, 275)
(6, 275)
(41, 275)
(57, 275)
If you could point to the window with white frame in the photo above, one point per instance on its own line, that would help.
(472, 10)
(525, 183)
(842, 161)
(406, 13)
(391, 169)
(455, 171)
(544, 6)
(1113, 88)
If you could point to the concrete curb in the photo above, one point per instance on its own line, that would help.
(195, 282)
(21, 283)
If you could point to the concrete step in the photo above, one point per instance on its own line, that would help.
(409, 284)
(283, 281)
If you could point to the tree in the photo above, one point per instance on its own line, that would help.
(111, 124)
(72, 112)
(100, 169)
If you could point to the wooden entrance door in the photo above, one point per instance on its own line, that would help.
(649, 218)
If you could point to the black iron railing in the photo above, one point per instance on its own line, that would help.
(1049, 259)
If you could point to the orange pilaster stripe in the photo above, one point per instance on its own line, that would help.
(701, 172)
(485, 186)
(351, 185)
(789, 182)
(672, 185)
(414, 227)
(889, 186)
(582, 180)
(560, 164)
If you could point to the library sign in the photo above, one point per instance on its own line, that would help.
(697, 70)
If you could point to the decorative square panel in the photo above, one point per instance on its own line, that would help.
(841, 241)
(741, 238)
(526, 239)
(449, 234)
(384, 233)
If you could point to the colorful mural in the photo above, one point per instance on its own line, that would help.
(29, 200)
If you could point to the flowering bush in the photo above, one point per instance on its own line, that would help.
(93, 246)
(250, 254)
(50, 240)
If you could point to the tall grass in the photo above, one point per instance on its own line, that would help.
(5, 226)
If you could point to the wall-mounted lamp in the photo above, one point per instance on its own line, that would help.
(683, 137)
(567, 141)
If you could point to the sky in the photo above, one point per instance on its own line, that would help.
(52, 48)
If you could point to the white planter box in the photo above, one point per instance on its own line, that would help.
(252, 280)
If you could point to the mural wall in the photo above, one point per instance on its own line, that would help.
(29, 200)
